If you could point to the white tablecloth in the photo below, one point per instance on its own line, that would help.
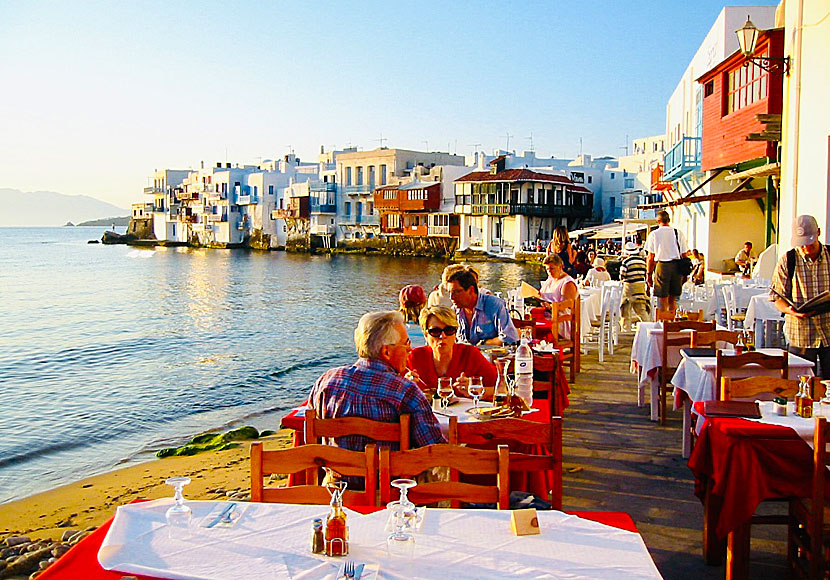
(271, 541)
(590, 309)
(742, 296)
(759, 310)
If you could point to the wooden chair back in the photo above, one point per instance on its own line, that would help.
(544, 387)
(517, 433)
(695, 316)
(664, 315)
(467, 460)
(712, 337)
(672, 342)
(562, 312)
(316, 429)
(807, 536)
(767, 361)
(311, 458)
(752, 388)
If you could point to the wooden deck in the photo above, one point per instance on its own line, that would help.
(618, 460)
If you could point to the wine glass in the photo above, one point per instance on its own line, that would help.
(178, 515)
(445, 391)
(399, 542)
(475, 389)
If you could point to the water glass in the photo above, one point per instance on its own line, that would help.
(475, 389)
(445, 391)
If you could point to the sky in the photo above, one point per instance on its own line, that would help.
(95, 96)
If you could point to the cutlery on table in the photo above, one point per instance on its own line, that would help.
(348, 570)
(224, 515)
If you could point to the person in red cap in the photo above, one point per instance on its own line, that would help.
(803, 273)
(412, 298)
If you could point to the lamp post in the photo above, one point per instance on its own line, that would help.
(748, 38)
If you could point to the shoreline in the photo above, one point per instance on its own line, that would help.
(89, 502)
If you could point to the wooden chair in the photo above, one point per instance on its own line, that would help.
(767, 361)
(464, 459)
(513, 433)
(713, 337)
(695, 316)
(316, 429)
(808, 535)
(664, 315)
(752, 388)
(544, 380)
(568, 311)
(672, 339)
(311, 458)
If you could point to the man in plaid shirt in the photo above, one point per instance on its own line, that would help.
(808, 336)
(374, 386)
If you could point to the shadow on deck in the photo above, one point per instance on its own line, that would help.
(616, 459)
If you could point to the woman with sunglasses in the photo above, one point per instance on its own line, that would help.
(444, 357)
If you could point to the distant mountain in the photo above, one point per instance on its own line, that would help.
(120, 222)
(48, 208)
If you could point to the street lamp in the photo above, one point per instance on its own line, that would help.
(748, 38)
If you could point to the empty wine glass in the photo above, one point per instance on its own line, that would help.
(445, 391)
(178, 515)
(399, 542)
(476, 390)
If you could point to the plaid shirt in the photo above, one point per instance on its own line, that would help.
(810, 278)
(373, 390)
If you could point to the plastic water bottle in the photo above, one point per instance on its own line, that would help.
(524, 371)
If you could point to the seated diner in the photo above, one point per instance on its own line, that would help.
(444, 357)
(482, 318)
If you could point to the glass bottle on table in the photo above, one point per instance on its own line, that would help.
(501, 393)
(807, 401)
(337, 529)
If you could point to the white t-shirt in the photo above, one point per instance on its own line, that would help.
(663, 244)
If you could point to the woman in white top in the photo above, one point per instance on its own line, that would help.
(598, 274)
(558, 287)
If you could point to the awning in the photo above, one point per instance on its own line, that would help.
(761, 171)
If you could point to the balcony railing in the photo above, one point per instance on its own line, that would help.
(682, 158)
(215, 217)
(545, 210)
(321, 186)
(322, 208)
(153, 190)
(357, 189)
(361, 220)
(489, 209)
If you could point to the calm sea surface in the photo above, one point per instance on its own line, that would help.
(108, 353)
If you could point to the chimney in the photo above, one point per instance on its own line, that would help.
(227, 165)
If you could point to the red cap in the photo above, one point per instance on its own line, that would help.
(412, 293)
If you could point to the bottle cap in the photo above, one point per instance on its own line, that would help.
(780, 400)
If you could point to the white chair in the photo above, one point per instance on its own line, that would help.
(734, 317)
(609, 322)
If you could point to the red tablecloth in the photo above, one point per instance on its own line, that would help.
(748, 462)
(81, 562)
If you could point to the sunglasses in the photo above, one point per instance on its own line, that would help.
(435, 332)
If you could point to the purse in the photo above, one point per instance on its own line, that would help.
(684, 264)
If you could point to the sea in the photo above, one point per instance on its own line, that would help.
(110, 353)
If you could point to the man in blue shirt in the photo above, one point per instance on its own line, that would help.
(482, 318)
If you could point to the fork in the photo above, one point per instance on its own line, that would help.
(348, 569)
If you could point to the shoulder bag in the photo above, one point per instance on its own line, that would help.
(684, 264)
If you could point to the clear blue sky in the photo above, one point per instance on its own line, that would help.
(96, 95)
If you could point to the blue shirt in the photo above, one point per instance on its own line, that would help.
(490, 320)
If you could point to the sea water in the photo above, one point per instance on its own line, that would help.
(109, 353)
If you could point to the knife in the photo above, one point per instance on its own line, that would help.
(224, 513)
(358, 572)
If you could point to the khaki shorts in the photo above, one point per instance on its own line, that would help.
(667, 280)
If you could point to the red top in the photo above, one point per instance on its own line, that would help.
(465, 359)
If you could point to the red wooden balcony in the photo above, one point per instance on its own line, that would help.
(657, 181)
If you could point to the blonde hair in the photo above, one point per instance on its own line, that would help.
(443, 314)
(449, 271)
(376, 330)
(560, 238)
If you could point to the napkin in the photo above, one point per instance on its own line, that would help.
(370, 571)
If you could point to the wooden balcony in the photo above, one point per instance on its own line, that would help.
(657, 181)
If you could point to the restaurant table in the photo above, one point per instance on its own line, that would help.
(742, 296)
(694, 381)
(590, 301)
(537, 483)
(272, 541)
(737, 464)
(760, 309)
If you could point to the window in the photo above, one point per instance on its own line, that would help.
(359, 176)
(348, 176)
(348, 208)
(393, 220)
(270, 190)
(709, 89)
(371, 176)
(745, 85)
(612, 175)
(629, 183)
(590, 179)
(383, 174)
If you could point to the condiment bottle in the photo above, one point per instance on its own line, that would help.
(318, 541)
(501, 392)
(739, 346)
(337, 530)
(807, 402)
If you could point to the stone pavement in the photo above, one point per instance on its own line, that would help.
(616, 459)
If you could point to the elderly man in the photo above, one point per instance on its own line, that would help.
(802, 274)
(482, 318)
(374, 386)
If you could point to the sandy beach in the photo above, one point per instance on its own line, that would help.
(88, 503)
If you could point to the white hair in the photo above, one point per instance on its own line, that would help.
(376, 330)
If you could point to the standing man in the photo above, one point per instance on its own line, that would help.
(633, 276)
(801, 274)
(665, 246)
(482, 318)
(745, 259)
(374, 386)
